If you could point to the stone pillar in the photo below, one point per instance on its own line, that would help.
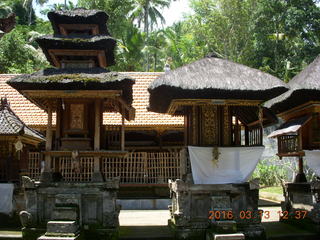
(97, 176)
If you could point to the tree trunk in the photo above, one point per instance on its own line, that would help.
(146, 30)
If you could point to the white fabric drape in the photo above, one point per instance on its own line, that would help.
(235, 164)
(6, 195)
(313, 160)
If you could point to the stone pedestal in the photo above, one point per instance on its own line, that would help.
(200, 210)
(302, 203)
(89, 207)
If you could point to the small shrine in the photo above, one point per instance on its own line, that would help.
(299, 137)
(16, 140)
(222, 105)
(77, 92)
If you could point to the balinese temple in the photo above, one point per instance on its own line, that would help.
(7, 24)
(221, 102)
(16, 140)
(299, 136)
(78, 91)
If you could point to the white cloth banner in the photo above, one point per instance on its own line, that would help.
(313, 160)
(235, 164)
(6, 195)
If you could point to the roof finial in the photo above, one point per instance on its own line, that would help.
(4, 101)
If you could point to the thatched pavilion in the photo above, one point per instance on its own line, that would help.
(299, 136)
(222, 105)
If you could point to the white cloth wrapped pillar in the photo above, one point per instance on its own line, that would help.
(235, 164)
(6, 192)
(313, 160)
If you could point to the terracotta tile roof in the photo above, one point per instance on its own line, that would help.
(34, 116)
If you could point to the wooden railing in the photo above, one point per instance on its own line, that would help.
(34, 165)
(288, 144)
(145, 167)
(255, 137)
(73, 173)
(133, 168)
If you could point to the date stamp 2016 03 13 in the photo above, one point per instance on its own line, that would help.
(217, 215)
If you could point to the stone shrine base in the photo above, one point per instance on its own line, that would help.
(302, 204)
(69, 210)
(201, 211)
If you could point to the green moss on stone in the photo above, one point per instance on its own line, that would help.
(63, 77)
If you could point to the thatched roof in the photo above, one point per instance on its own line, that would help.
(75, 79)
(11, 125)
(105, 43)
(79, 16)
(213, 78)
(7, 24)
(304, 87)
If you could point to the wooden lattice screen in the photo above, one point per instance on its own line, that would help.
(143, 167)
(75, 171)
(34, 165)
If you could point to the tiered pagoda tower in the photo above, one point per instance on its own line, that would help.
(79, 90)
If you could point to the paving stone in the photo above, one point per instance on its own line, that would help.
(236, 236)
(62, 227)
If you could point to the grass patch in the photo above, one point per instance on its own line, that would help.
(277, 190)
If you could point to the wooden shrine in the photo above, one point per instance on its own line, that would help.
(16, 140)
(73, 197)
(299, 137)
(222, 105)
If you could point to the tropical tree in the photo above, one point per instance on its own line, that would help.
(28, 5)
(146, 13)
(5, 9)
(58, 7)
(18, 52)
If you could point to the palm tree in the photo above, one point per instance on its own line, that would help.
(28, 4)
(146, 13)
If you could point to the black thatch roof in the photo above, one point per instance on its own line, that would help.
(79, 16)
(11, 125)
(304, 87)
(213, 78)
(7, 24)
(105, 43)
(75, 79)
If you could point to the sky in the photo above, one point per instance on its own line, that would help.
(172, 14)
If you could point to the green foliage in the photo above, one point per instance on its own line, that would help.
(269, 173)
(17, 55)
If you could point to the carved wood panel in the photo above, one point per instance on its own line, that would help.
(77, 116)
(226, 126)
(209, 125)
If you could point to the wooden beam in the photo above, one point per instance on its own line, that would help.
(72, 93)
(99, 54)
(200, 102)
(48, 140)
(122, 129)
(97, 113)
